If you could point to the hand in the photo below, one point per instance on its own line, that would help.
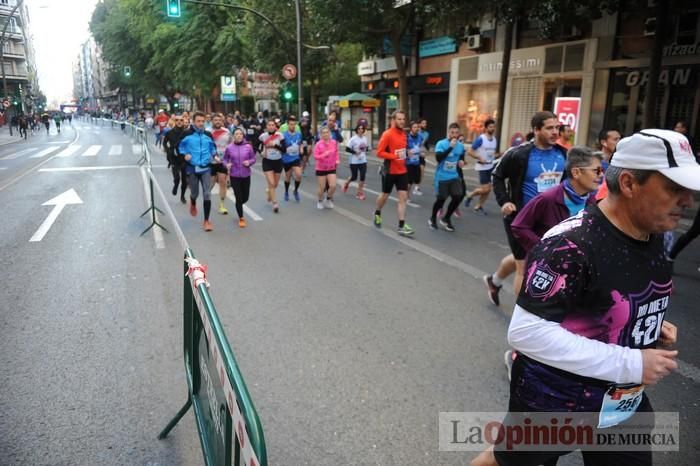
(246, 163)
(188, 157)
(453, 142)
(482, 161)
(229, 165)
(657, 364)
(217, 159)
(669, 333)
(508, 208)
(460, 163)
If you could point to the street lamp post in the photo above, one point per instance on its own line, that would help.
(300, 82)
(2, 53)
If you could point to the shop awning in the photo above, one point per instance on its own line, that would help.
(358, 99)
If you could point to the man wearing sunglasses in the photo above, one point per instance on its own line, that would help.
(175, 162)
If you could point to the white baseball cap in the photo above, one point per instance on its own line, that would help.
(304, 113)
(662, 150)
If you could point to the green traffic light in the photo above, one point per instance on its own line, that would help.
(173, 8)
(288, 95)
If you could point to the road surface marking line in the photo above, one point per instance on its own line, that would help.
(115, 150)
(82, 169)
(92, 151)
(157, 233)
(169, 212)
(231, 197)
(68, 151)
(43, 162)
(3, 168)
(43, 153)
(136, 149)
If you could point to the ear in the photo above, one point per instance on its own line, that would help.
(628, 185)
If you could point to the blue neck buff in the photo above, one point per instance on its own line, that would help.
(573, 195)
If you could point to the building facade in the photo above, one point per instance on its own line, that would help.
(20, 80)
(90, 79)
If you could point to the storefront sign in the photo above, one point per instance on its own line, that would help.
(675, 50)
(433, 80)
(365, 67)
(386, 64)
(523, 62)
(675, 77)
(568, 110)
(437, 46)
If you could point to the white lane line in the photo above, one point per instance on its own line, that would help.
(115, 150)
(85, 169)
(231, 197)
(92, 151)
(68, 151)
(178, 231)
(3, 168)
(157, 233)
(17, 154)
(43, 153)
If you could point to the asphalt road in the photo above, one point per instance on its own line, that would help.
(351, 339)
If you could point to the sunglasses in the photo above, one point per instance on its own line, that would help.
(598, 170)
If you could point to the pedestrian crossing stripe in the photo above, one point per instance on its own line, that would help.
(115, 150)
(136, 149)
(68, 151)
(92, 151)
(43, 153)
(15, 155)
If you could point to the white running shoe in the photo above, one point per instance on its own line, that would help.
(319, 205)
(417, 191)
(328, 204)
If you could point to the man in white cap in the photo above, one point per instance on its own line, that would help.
(592, 310)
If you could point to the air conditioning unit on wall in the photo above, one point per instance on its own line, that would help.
(474, 41)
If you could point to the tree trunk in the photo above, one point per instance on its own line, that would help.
(650, 97)
(503, 83)
(400, 71)
(313, 92)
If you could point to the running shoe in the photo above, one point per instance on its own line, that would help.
(286, 196)
(346, 185)
(432, 224)
(275, 207)
(296, 196)
(492, 290)
(480, 211)
(241, 223)
(467, 201)
(193, 209)
(458, 214)
(447, 225)
(417, 191)
(377, 221)
(222, 208)
(361, 196)
(183, 200)
(319, 205)
(508, 358)
(328, 204)
(208, 226)
(405, 230)
(175, 189)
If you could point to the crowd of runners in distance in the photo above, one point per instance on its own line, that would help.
(590, 234)
(27, 124)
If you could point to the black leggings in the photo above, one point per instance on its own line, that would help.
(358, 168)
(686, 238)
(179, 177)
(241, 189)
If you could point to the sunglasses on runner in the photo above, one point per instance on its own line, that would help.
(597, 170)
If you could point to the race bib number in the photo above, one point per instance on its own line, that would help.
(547, 181)
(414, 154)
(400, 153)
(250, 131)
(293, 149)
(450, 166)
(619, 404)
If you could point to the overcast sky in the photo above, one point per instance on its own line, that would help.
(58, 27)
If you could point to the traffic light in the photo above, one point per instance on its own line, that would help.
(127, 71)
(176, 104)
(288, 93)
(173, 7)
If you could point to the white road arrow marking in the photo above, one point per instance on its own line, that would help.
(59, 202)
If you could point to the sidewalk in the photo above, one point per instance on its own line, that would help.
(5, 137)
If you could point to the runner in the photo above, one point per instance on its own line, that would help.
(424, 134)
(587, 324)
(449, 153)
(357, 147)
(290, 159)
(327, 160)
(219, 172)
(161, 123)
(46, 119)
(485, 150)
(272, 148)
(566, 136)
(531, 168)
(608, 139)
(198, 149)
(307, 141)
(239, 157)
(57, 122)
(413, 154)
(392, 148)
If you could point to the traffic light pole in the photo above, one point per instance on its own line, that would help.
(300, 82)
(2, 57)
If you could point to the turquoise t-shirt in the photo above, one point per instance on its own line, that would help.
(447, 169)
(545, 169)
